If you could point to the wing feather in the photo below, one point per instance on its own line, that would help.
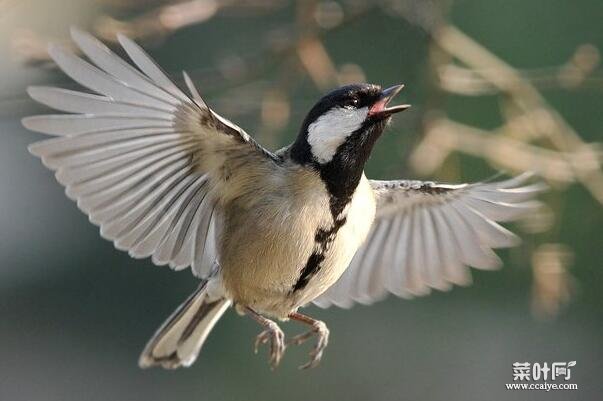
(141, 158)
(80, 102)
(99, 81)
(68, 125)
(149, 67)
(426, 234)
(105, 59)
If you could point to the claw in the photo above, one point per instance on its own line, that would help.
(320, 330)
(276, 337)
(301, 338)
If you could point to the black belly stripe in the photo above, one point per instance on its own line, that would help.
(323, 240)
(341, 185)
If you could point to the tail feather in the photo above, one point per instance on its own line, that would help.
(178, 341)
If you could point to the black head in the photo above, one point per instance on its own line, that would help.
(354, 113)
(339, 132)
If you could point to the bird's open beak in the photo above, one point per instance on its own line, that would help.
(380, 108)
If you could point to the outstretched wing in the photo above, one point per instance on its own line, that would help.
(144, 161)
(426, 234)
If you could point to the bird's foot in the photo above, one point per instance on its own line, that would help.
(272, 333)
(320, 330)
(276, 337)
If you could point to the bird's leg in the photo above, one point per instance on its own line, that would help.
(319, 329)
(271, 333)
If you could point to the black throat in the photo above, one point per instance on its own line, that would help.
(343, 172)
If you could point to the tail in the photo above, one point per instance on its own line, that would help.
(178, 341)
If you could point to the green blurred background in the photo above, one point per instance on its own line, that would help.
(75, 313)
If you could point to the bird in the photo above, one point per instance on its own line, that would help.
(265, 232)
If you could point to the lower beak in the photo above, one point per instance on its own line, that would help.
(380, 108)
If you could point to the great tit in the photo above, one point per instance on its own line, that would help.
(166, 177)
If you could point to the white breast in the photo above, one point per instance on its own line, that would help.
(360, 216)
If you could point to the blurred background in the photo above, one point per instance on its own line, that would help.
(495, 86)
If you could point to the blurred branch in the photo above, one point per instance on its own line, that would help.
(506, 79)
(33, 49)
(578, 72)
(444, 136)
(553, 285)
(168, 18)
(463, 81)
(526, 98)
(158, 22)
(312, 54)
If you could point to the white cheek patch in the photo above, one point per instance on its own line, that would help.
(331, 129)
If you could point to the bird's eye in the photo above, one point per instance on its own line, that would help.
(355, 102)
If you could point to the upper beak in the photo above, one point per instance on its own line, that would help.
(380, 107)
